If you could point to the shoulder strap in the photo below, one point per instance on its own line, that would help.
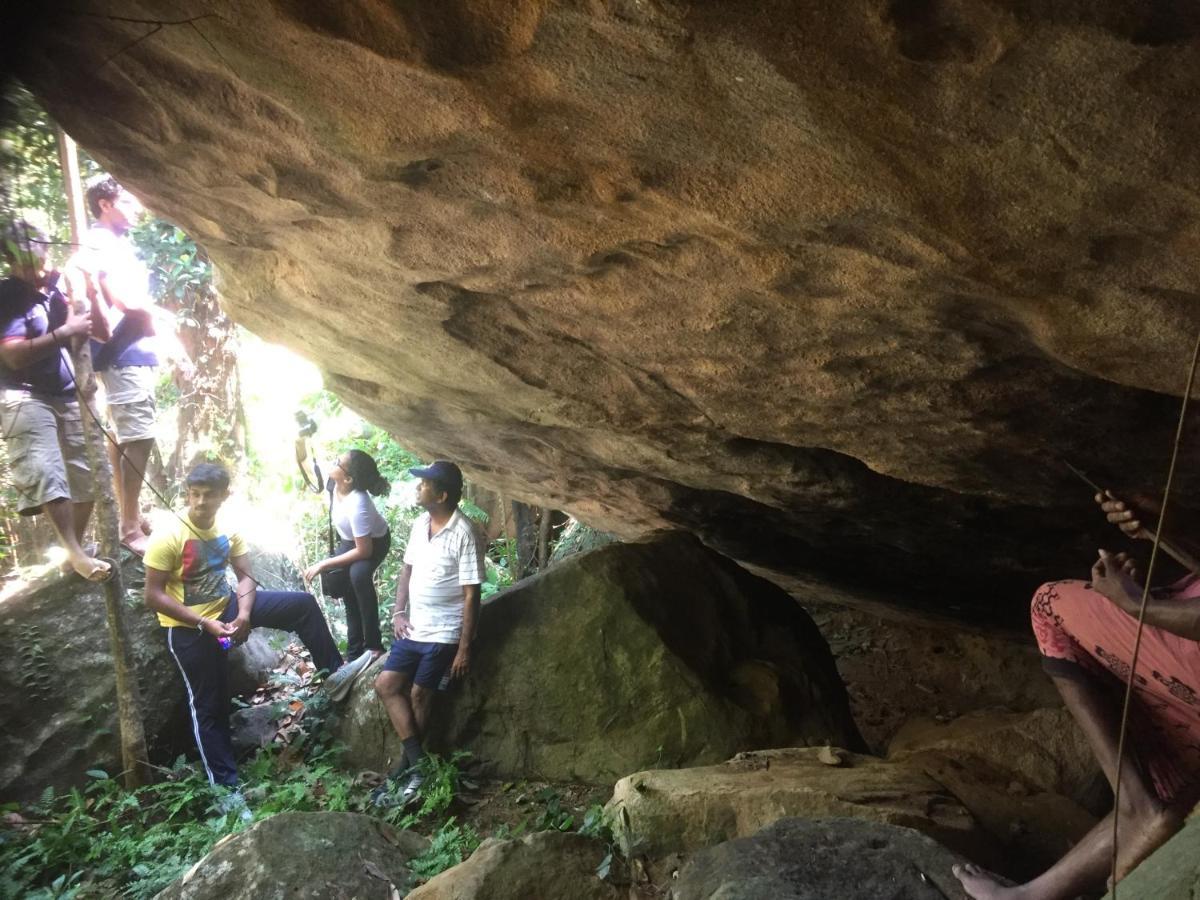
(331, 518)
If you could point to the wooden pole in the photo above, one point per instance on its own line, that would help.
(68, 160)
(134, 759)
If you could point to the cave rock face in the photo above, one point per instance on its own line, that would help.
(836, 288)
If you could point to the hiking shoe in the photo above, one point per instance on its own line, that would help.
(234, 802)
(338, 685)
(409, 794)
(386, 795)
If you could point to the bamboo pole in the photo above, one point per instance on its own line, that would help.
(134, 759)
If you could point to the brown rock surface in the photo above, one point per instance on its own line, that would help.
(679, 810)
(834, 286)
(547, 864)
(1026, 777)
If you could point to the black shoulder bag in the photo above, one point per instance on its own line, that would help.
(334, 582)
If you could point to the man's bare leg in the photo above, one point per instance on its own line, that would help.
(1145, 822)
(135, 455)
(422, 702)
(392, 688)
(63, 516)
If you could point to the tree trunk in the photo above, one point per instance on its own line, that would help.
(129, 707)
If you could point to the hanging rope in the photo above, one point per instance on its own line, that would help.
(1137, 641)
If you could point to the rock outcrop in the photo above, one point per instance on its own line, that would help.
(678, 810)
(816, 859)
(1029, 779)
(658, 652)
(547, 864)
(57, 694)
(305, 855)
(835, 292)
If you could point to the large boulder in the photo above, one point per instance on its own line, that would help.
(57, 693)
(679, 810)
(306, 856)
(57, 689)
(547, 864)
(820, 859)
(658, 652)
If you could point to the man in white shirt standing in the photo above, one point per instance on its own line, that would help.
(437, 606)
(107, 268)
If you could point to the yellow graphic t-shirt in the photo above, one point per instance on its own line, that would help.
(196, 559)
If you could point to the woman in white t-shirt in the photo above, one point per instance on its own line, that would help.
(363, 543)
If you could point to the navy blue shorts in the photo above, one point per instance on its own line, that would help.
(423, 662)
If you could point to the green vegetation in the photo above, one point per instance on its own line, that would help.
(103, 841)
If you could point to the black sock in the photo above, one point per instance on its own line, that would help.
(413, 751)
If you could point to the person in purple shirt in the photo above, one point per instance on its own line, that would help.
(39, 412)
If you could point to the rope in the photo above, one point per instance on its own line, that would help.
(1137, 641)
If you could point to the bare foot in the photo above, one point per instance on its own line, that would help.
(90, 568)
(1143, 836)
(135, 542)
(144, 525)
(375, 654)
(984, 885)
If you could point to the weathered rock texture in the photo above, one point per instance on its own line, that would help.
(1029, 779)
(679, 810)
(547, 864)
(658, 652)
(57, 694)
(898, 665)
(804, 859)
(305, 855)
(834, 286)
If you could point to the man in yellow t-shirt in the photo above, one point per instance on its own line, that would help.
(186, 585)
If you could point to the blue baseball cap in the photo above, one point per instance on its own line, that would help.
(441, 470)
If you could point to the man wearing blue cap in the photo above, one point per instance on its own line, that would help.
(437, 605)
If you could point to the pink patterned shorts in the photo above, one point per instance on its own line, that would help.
(1084, 636)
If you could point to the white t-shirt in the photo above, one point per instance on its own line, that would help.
(355, 515)
(441, 566)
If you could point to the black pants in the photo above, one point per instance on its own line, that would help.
(205, 669)
(362, 603)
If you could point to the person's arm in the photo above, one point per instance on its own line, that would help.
(19, 352)
(462, 659)
(247, 593)
(157, 599)
(78, 283)
(400, 621)
(363, 546)
(1138, 517)
(1115, 577)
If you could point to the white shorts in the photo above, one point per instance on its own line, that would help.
(130, 392)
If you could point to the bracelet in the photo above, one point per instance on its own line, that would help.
(200, 624)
